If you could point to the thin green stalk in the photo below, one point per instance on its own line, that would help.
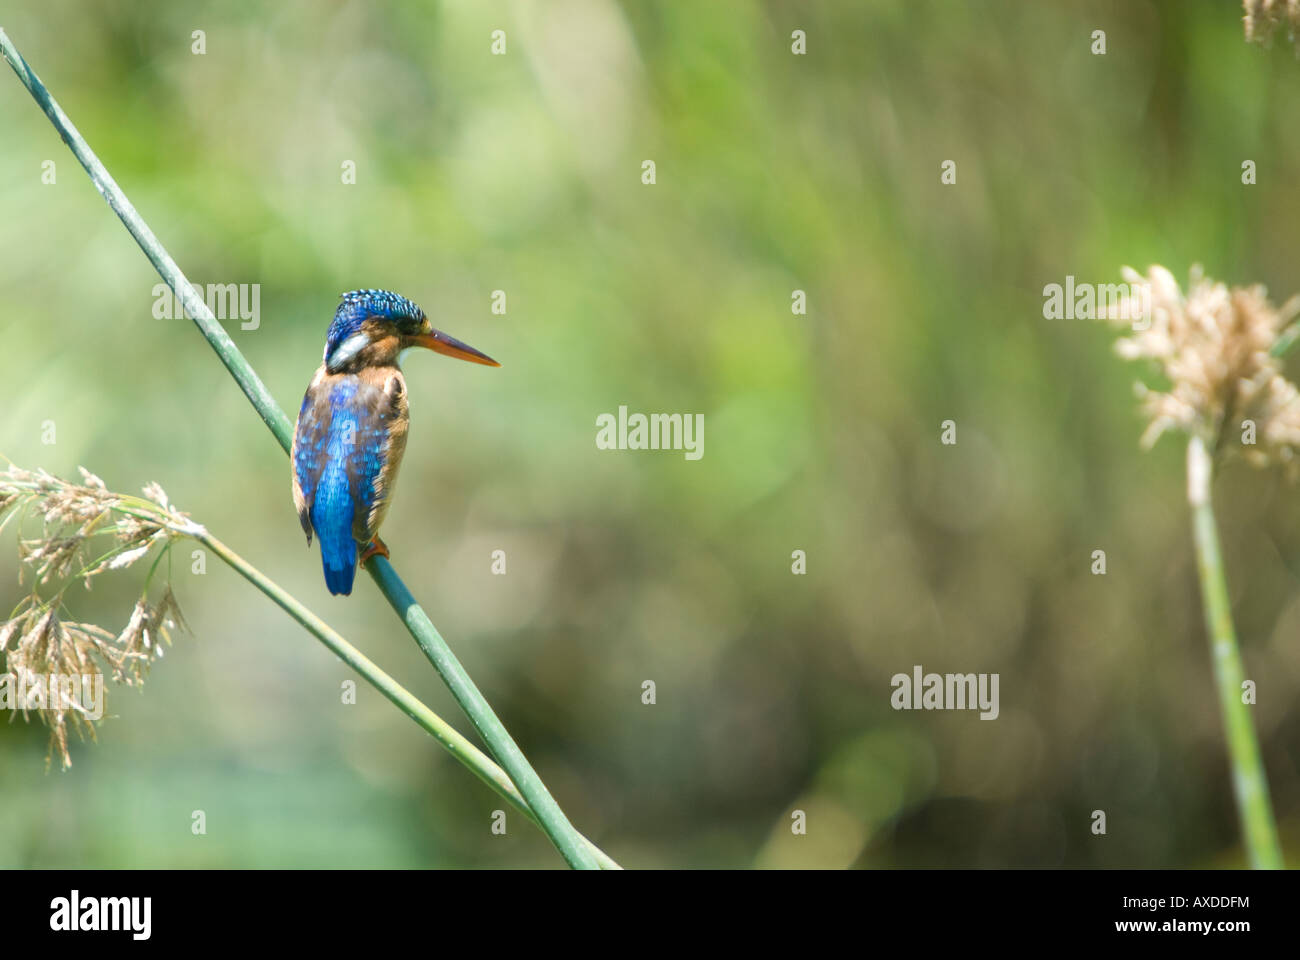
(466, 693)
(1249, 779)
(549, 815)
(456, 744)
(1285, 340)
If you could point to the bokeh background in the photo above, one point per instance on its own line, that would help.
(775, 172)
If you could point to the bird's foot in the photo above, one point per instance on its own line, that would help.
(378, 547)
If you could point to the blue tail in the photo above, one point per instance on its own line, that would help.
(331, 515)
(340, 561)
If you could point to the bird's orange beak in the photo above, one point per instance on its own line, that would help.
(448, 346)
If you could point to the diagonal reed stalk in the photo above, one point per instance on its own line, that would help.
(1249, 781)
(457, 745)
(154, 512)
(548, 815)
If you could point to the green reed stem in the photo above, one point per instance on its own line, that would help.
(456, 744)
(1285, 340)
(549, 816)
(1249, 779)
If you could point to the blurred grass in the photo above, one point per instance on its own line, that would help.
(775, 172)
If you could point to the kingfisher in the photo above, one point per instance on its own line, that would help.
(351, 430)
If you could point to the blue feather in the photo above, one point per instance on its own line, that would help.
(339, 460)
(360, 305)
(331, 515)
(307, 450)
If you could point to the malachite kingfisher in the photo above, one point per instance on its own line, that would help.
(351, 430)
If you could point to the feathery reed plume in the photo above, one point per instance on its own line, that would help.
(78, 512)
(1214, 348)
(1264, 17)
(1217, 349)
(84, 531)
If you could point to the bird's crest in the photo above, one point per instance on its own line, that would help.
(359, 305)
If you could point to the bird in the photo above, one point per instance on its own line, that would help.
(351, 430)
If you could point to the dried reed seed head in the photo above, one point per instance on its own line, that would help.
(1264, 17)
(72, 513)
(1212, 346)
(36, 642)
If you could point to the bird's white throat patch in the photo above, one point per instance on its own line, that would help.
(346, 350)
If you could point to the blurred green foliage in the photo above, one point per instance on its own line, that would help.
(774, 173)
